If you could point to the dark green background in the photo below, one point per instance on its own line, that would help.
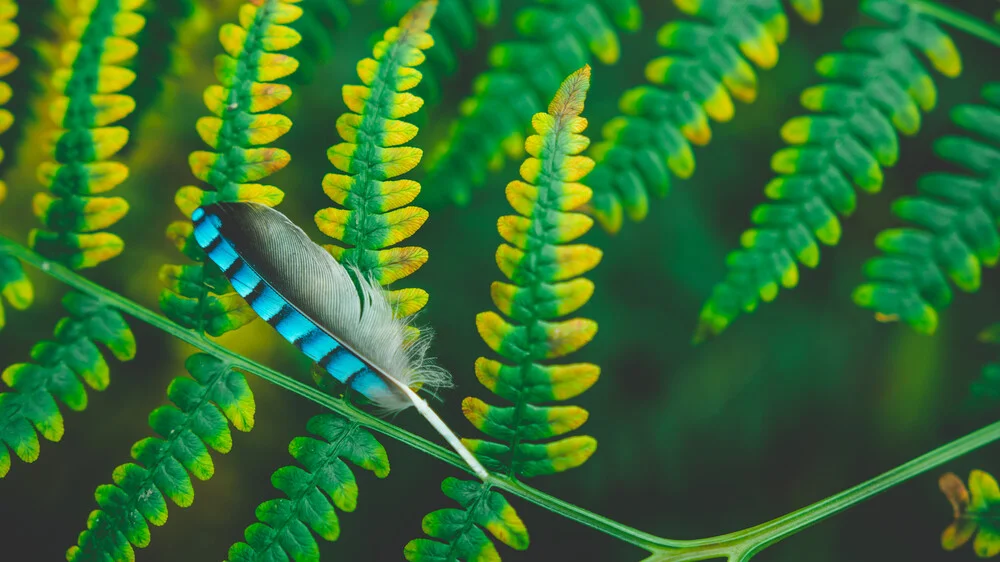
(796, 402)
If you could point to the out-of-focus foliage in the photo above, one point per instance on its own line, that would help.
(710, 62)
(976, 508)
(558, 37)
(956, 218)
(197, 421)
(57, 371)
(90, 74)
(878, 90)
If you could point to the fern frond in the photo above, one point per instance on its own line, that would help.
(988, 385)
(459, 532)
(238, 131)
(454, 28)
(955, 232)
(709, 64)
(90, 75)
(15, 286)
(374, 210)
(559, 37)
(58, 368)
(974, 509)
(198, 421)
(877, 89)
(313, 491)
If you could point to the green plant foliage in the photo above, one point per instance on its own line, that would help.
(197, 422)
(710, 63)
(373, 208)
(988, 385)
(313, 491)
(877, 87)
(976, 508)
(90, 74)
(956, 219)
(57, 371)
(559, 36)
(197, 296)
(14, 284)
(454, 28)
(459, 532)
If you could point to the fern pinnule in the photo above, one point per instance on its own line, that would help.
(196, 422)
(544, 270)
(955, 227)
(56, 372)
(312, 491)
(374, 211)
(90, 75)
(877, 89)
(239, 130)
(974, 509)
(15, 286)
(708, 65)
(558, 38)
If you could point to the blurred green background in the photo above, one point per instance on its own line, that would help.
(794, 403)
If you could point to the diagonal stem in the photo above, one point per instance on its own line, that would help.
(735, 547)
(958, 19)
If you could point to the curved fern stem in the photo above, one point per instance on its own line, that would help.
(723, 546)
(559, 37)
(56, 373)
(955, 229)
(958, 20)
(878, 89)
(709, 63)
(283, 530)
(240, 127)
(90, 75)
(203, 404)
(15, 286)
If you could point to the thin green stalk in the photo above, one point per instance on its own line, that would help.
(736, 547)
(959, 20)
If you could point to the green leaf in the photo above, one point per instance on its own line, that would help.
(196, 422)
(976, 510)
(312, 490)
(15, 287)
(56, 374)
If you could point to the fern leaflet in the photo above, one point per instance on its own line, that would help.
(955, 235)
(975, 509)
(90, 75)
(707, 65)
(198, 421)
(283, 530)
(878, 87)
(559, 37)
(58, 368)
(15, 286)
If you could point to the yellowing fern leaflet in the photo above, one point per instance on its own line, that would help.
(374, 208)
(15, 286)
(197, 421)
(91, 74)
(559, 37)
(878, 88)
(975, 510)
(56, 373)
(708, 65)
(956, 218)
(545, 272)
(238, 130)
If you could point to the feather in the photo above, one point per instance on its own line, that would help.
(345, 323)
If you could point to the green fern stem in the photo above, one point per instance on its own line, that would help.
(878, 90)
(56, 374)
(559, 37)
(663, 549)
(204, 404)
(15, 287)
(955, 231)
(373, 210)
(959, 20)
(709, 63)
(200, 297)
(89, 80)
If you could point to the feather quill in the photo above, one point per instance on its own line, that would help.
(345, 323)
